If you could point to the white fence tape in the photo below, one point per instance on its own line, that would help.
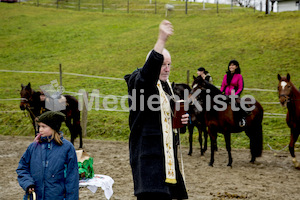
(111, 78)
(72, 74)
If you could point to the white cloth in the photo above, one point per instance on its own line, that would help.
(103, 181)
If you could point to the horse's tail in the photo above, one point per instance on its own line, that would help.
(73, 113)
(256, 143)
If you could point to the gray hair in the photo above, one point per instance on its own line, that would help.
(164, 50)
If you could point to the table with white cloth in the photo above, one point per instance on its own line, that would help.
(103, 181)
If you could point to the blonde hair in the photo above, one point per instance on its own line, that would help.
(57, 138)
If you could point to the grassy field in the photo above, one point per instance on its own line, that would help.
(114, 44)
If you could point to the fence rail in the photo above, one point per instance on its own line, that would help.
(137, 6)
(111, 78)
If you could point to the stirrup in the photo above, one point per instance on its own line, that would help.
(242, 122)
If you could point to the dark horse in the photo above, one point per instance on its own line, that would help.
(196, 118)
(224, 121)
(289, 97)
(31, 101)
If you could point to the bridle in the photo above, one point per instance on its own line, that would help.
(197, 98)
(29, 109)
(286, 97)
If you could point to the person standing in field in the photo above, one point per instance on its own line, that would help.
(153, 142)
(49, 165)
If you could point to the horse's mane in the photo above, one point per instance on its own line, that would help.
(213, 89)
(185, 86)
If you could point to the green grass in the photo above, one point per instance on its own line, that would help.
(115, 43)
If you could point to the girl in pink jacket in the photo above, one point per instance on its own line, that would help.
(233, 84)
(233, 81)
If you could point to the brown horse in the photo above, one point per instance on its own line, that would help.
(224, 121)
(31, 101)
(289, 97)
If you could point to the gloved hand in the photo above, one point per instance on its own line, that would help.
(30, 189)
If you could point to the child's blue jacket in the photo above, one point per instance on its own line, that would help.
(52, 168)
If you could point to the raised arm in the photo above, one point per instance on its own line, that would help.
(165, 30)
(151, 69)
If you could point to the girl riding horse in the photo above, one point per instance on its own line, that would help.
(222, 121)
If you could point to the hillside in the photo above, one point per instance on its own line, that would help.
(114, 44)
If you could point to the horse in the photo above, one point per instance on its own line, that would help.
(289, 97)
(224, 120)
(196, 119)
(33, 103)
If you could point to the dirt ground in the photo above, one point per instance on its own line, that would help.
(271, 177)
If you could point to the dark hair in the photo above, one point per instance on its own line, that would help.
(201, 69)
(237, 70)
(236, 63)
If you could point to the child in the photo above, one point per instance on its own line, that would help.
(49, 166)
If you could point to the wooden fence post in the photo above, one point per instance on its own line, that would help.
(102, 5)
(60, 78)
(186, 7)
(84, 114)
(128, 6)
(188, 77)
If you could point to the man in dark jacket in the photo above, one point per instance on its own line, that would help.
(152, 142)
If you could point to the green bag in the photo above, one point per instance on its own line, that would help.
(86, 169)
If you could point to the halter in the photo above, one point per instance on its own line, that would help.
(287, 98)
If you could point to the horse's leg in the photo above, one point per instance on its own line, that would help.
(200, 139)
(35, 129)
(79, 131)
(202, 150)
(205, 138)
(216, 143)
(77, 126)
(212, 142)
(227, 137)
(70, 127)
(254, 133)
(35, 125)
(294, 138)
(191, 129)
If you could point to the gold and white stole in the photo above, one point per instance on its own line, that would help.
(166, 123)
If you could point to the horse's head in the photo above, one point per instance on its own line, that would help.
(26, 96)
(198, 83)
(198, 86)
(284, 89)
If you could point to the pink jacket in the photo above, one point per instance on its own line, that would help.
(236, 84)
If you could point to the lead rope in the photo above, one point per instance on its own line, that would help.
(35, 123)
